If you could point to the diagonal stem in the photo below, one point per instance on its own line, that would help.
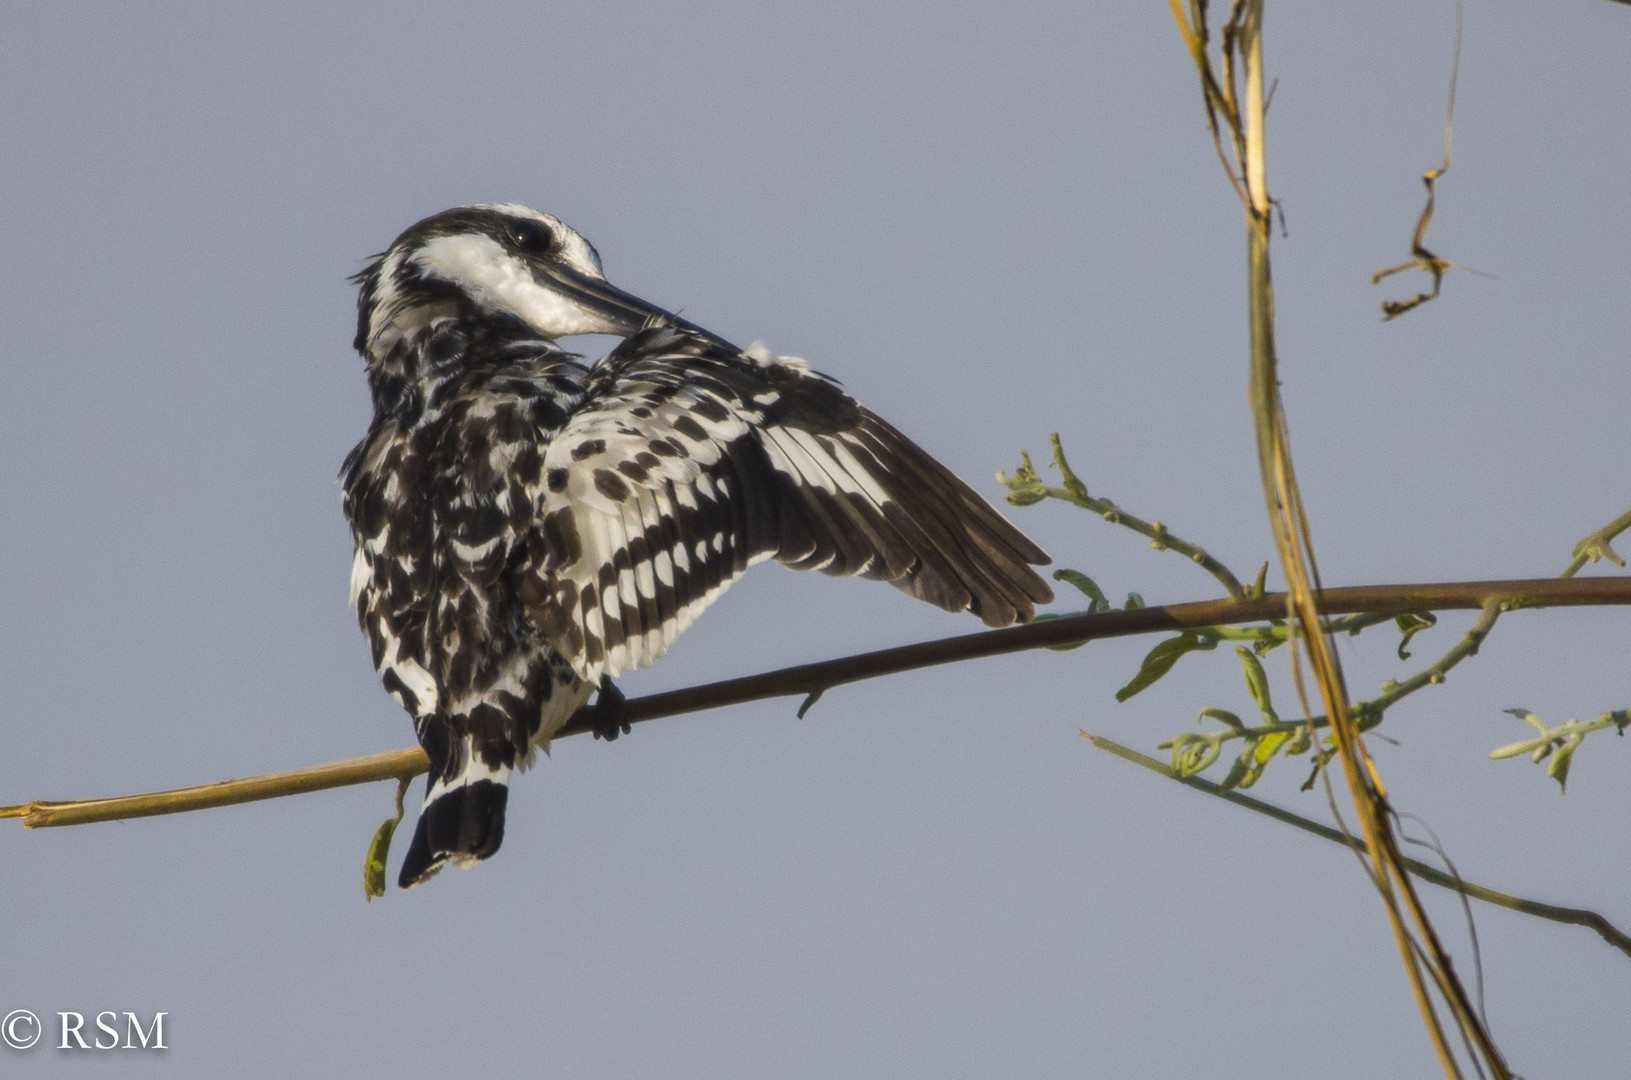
(1570, 916)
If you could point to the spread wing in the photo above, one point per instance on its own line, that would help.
(690, 461)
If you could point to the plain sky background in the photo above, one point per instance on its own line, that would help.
(992, 221)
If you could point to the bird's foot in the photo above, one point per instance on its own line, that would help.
(603, 717)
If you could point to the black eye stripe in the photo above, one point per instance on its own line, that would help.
(532, 236)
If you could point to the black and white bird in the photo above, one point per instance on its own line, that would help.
(528, 526)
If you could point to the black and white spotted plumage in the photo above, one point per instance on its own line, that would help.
(527, 526)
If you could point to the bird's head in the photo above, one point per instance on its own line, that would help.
(497, 260)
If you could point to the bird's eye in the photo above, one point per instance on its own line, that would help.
(532, 236)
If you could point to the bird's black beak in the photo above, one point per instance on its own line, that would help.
(610, 309)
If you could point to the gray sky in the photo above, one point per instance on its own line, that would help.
(991, 222)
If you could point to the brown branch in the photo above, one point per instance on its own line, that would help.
(814, 679)
(393, 764)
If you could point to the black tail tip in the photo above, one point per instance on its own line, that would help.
(464, 824)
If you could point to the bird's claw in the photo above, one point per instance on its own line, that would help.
(603, 717)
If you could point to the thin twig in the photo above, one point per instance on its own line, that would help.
(1435, 266)
(1026, 486)
(806, 679)
(1571, 916)
(1370, 712)
(1597, 546)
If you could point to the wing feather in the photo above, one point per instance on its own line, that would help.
(690, 461)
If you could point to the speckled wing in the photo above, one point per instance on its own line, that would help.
(690, 460)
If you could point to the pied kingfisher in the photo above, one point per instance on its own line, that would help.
(528, 526)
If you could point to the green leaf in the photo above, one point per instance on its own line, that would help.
(373, 867)
(1159, 660)
(1086, 586)
(1224, 716)
(1409, 626)
(1257, 682)
(1269, 745)
(1192, 752)
(1559, 768)
(1024, 487)
(1321, 756)
(1270, 637)
(1239, 772)
(1063, 646)
(1514, 749)
(1072, 482)
(1527, 717)
(1249, 766)
(379, 848)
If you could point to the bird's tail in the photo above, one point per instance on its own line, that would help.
(462, 818)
